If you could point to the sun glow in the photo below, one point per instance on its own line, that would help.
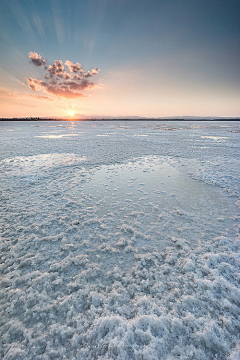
(71, 113)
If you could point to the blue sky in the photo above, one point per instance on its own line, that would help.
(156, 58)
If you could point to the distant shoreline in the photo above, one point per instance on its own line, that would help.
(121, 119)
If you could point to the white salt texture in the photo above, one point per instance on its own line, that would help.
(119, 240)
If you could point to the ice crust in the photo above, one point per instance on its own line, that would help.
(119, 240)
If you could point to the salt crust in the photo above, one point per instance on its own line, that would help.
(179, 303)
(73, 288)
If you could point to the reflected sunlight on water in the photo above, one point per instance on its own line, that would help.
(51, 136)
(32, 164)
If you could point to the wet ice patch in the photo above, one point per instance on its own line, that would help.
(55, 136)
(216, 138)
(35, 163)
(153, 201)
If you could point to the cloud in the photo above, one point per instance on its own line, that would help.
(58, 81)
(6, 93)
(77, 68)
(36, 59)
(35, 84)
(73, 67)
(83, 84)
(57, 68)
(39, 97)
(91, 73)
(62, 91)
(38, 23)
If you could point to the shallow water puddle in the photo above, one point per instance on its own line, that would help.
(153, 202)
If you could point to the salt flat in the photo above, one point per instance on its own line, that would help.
(120, 240)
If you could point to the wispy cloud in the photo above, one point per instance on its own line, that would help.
(38, 23)
(39, 97)
(6, 93)
(59, 82)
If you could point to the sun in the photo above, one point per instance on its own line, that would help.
(71, 113)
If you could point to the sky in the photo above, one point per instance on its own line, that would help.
(149, 58)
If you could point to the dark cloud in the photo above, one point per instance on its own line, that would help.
(62, 91)
(58, 81)
(83, 84)
(91, 73)
(57, 69)
(36, 59)
(32, 83)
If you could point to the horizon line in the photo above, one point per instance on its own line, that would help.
(121, 118)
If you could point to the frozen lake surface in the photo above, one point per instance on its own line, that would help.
(120, 240)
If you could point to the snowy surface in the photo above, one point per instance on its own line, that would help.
(119, 240)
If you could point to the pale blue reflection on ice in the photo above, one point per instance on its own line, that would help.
(152, 197)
